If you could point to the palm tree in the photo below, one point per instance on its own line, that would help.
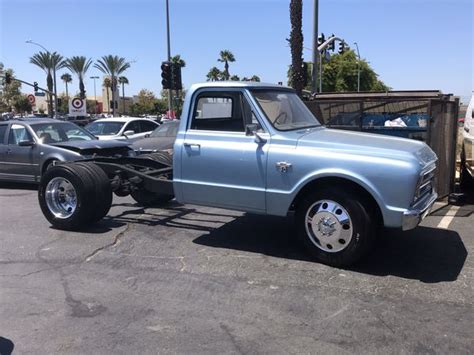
(123, 80)
(107, 84)
(67, 78)
(296, 45)
(112, 65)
(235, 78)
(49, 62)
(226, 56)
(79, 66)
(214, 74)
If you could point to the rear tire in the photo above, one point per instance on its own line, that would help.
(74, 196)
(336, 226)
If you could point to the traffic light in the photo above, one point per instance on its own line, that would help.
(321, 39)
(332, 45)
(35, 86)
(176, 83)
(8, 78)
(166, 75)
(342, 47)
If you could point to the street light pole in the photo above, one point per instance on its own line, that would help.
(358, 67)
(314, 76)
(95, 94)
(54, 78)
(169, 50)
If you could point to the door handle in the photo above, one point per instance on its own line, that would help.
(190, 145)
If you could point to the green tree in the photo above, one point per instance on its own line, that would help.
(112, 65)
(22, 105)
(214, 74)
(67, 78)
(79, 66)
(122, 81)
(234, 78)
(340, 74)
(226, 57)
(64, 103)
(48, 62)
(107, 84)
(296, 45)
(9, 93)
(145, 103)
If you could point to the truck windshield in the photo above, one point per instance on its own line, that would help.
(285, 110)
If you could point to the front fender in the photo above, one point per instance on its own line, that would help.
(279, 202)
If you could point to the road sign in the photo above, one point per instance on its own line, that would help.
(77, 107)
(40, 94)
(32, 99)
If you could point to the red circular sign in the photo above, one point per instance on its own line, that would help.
(31, 99)
(77, 103)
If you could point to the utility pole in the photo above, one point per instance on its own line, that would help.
(314, 76)
(321, 71)
(358, 67)
(169, 51)
(54, 77)
(95, 93)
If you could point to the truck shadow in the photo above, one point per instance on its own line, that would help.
(427, 254)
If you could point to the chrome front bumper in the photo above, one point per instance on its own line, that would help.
(413, 216)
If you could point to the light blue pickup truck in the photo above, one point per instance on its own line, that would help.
(257, 148)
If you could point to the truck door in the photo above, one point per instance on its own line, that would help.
(221, 165)
(22, 162)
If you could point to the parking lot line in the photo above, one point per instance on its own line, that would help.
(448, 218)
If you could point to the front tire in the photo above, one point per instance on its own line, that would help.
(336, 227)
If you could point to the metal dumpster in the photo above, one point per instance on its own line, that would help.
(429, 116)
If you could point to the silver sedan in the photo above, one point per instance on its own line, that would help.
(29, 147)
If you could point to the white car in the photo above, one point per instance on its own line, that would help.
(122, 128)
(467, 154)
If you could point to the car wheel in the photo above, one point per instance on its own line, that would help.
(337, 228)
(74, 196)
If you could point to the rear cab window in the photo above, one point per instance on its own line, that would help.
(221, 111)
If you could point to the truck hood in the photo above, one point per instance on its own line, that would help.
(367, 144)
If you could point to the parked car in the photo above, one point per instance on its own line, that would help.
(257, 148)
(467, 154)
(121, 128)
(161, 138)
(31, 146)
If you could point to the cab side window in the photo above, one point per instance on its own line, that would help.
(3, 130)
(219, 112)
(17, 134)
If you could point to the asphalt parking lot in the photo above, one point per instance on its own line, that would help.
(188, 279)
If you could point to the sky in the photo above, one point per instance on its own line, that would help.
(411, 44)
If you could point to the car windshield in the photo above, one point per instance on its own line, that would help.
(166, 130)
(104, 128)
(50, 133)
(285, 110)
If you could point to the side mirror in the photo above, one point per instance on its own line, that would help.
(128, 133)
(26, 143)
(252, 130)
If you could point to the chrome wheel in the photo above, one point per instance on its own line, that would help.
(61, 197)
(329, 226)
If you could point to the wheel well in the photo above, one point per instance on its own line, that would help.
(343, 184)
(46, 163)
